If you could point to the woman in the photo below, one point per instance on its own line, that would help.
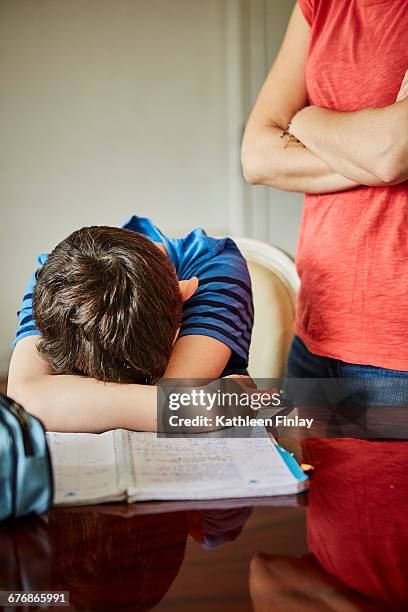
(327, 122)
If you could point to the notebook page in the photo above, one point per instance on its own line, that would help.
(205, 468)
(86, 467)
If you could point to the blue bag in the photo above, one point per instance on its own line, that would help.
(26, 483)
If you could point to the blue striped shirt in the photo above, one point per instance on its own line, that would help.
(221, 307)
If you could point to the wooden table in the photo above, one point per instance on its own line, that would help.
(186, 556)
(177, 556)
(195, 556)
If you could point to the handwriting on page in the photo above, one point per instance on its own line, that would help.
(84, 466)
(185, 459)
(186, 468)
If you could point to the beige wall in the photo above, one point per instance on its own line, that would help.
(109, 107)
(283, 209)
(271, 215)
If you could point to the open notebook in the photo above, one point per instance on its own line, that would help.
(132, 466)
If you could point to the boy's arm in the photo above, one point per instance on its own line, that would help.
(75, 403)
(198, 357)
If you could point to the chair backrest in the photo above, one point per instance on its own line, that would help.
(274, 284)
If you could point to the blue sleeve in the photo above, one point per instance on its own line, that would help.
(26, 322)
(222, 306)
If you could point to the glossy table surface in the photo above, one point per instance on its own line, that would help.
(342, 546)
(143, 556)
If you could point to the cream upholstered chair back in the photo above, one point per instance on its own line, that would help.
(274, 285)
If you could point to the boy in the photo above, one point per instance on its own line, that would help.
(113, 310)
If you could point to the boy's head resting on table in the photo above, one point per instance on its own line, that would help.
(108, 305)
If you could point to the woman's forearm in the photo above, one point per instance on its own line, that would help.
(267, 161)
(371, 142)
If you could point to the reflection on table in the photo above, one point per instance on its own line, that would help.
(196, 555)
(357, 527)
(104, 556)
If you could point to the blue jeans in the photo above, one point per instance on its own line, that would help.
(364, 385)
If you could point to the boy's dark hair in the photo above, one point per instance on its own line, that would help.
(108, 305)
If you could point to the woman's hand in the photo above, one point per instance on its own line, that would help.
(369, 146)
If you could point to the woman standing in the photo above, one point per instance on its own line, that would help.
(332, 121)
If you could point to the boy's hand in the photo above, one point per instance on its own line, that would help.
(248, 384)
(244, 380)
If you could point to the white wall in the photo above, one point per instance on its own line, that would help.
(271, 215)
(107, 107)
(284, 209)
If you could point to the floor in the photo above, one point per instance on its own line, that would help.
(3, 386)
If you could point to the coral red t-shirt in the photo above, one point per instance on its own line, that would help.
(358, 514)
(352, 255)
